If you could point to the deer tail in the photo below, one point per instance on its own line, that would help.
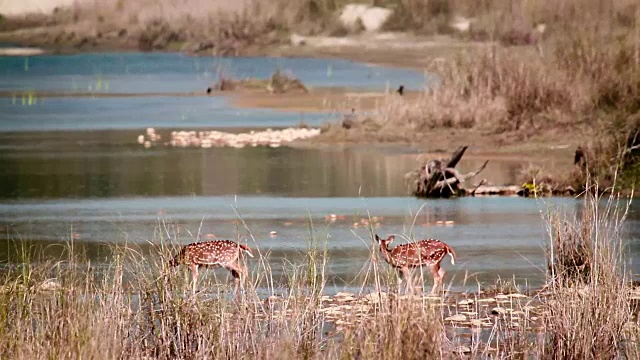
(452, 254)
(246, 249)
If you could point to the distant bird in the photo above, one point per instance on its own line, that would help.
(224, 253)
(400, 90)
(349, 120)
(405, 257)
(579, 157)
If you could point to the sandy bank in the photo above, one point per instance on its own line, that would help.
(24, 7)
(21, 51)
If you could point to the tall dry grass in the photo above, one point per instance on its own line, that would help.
(137, 306)
(226, 28)
(588, 306)
(583, 80)
(233, 27)
(508, 21)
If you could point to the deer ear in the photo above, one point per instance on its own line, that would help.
(378, 238)
(391, 238)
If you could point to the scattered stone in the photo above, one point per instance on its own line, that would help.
(461, 24)
(208, 139)
(498, 311)
(456, 318)
(297, 40)
(486, 300)
(50, 285)
(347, 299)
(376, 297)
(480, 323)
(466, 302)
(517, 296)
(272, 300)
(357, 16)
(462, 350)
(344, 294)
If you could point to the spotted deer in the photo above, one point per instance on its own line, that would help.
(405, 257)
(224, 253)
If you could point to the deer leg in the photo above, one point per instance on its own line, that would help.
(194, 277)
(438, 275)
(400, 278)
(239, 274)
(441, 272)
(236, 282)
(409, 280)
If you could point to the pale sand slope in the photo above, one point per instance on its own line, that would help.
(22, 7)
(163, 8)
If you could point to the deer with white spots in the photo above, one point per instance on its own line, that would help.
(405, 257)
(224, 253)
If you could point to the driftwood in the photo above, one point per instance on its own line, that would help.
(439, 178)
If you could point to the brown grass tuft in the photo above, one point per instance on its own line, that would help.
(589, 301)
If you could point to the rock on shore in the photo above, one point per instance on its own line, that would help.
(208, 139)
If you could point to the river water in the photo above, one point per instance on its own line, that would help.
(71, 169)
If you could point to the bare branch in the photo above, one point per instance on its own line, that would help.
(473, 192)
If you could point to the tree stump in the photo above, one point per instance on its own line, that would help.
(439, 178)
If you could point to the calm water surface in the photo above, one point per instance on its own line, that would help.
(156, 73)
(173, 72)
(100, 187)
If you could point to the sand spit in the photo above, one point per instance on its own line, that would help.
(21, 51)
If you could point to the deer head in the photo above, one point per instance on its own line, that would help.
(385, 242)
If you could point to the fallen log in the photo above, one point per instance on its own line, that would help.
(503, 190)
(439, 178)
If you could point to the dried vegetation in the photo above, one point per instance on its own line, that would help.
(136, 306)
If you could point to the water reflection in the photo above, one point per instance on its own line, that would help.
(111, 164)
(97, 189)
(56, 114)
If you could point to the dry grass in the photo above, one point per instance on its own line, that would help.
(226, 28)
(511, 22)
(234, 27)
(278, 83)
(583, 80)
(589, 305)
(139, 307)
